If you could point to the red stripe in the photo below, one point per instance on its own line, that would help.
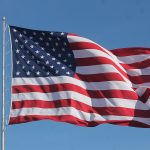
(130, 51)
(137, 65)
(117, 111)
(74, 120)
(125, 94)
(93, 61)
(131, 123)
(73, 34)
(139, 79)
(101, 77)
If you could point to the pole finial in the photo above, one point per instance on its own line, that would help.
(4, 18)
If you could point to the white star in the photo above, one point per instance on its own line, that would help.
(69, 54)
(56, 44)
(42, 57)
(31, 46)
(36, 43)
(48, 54)
(59, 55)
(41, 38)
(43, 67)
(42, 48)
(31, 37)
(17, 62)
(33, 57)
(17, 51)
(53, 58)
(24, 32)
(20, 35)
(28, 61)
(38, 72)
(53, 49)
(14, 30)
(47, 73)
(33, 67)
(50, 38)
(65, 60)
(38, 61)
(47, 44)
(62, 33)
(68, 72)
(70, 65)
(37, 51)
(43, 33)
(58, 63)
(26, 41)
(47, 62)
(28, 73)
(27, 52)
(16, 40)
(52, 66)
(51, 33)
(21, 46)
(23, 67)
(17, 73)
(34, 33)
(63, 67)
(63, 49)
(57, 71)
(58, 39)
(65, 43)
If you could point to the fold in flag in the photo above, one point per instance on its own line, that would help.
(69, 78)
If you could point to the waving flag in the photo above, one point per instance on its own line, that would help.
(69, 78)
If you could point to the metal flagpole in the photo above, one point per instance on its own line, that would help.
(3, 75)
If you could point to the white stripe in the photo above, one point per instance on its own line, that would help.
(74, 112)
(147, 85)
(86, 53)
(93, 102)
(106, 85)
(95, 69)
(74, 38)
(138, 72)
(134, 58)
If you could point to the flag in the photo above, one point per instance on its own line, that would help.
(68, 78)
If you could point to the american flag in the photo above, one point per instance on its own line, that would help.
(68, 78)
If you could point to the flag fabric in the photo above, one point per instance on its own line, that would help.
(68, 78)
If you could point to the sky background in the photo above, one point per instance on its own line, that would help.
(112, 24)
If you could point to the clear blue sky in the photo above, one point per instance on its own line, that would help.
(111, 23)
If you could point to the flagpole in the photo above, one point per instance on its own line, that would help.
(3, 83)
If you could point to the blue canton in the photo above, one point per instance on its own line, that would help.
(41, 53)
